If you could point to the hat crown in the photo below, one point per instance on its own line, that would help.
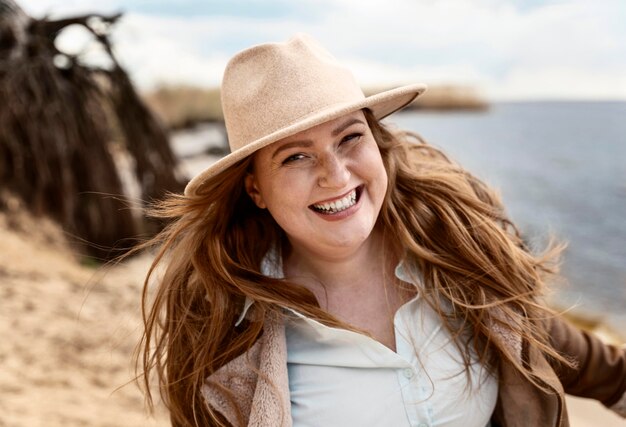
(272, 86)
(275, 90)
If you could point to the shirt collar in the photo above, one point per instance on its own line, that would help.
(272, 266)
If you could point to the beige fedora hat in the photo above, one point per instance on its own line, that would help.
(275, 90)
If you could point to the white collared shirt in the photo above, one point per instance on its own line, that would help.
(343, 378)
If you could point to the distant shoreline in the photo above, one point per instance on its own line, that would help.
(181, 107)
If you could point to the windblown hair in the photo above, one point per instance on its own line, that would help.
(475, 269)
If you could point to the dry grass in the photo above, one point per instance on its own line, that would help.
(183, 106)
(443, 97)
(449, 97)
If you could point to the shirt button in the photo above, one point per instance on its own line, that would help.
(408, 373)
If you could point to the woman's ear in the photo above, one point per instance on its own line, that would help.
(252, 188)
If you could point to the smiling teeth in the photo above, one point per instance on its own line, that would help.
(338, 205)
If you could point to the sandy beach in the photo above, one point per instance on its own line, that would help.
(69, 331)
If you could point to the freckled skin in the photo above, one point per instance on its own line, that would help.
(288, 181)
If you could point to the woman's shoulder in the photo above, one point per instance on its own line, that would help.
(599, 369)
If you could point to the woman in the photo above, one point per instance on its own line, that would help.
(332, 272)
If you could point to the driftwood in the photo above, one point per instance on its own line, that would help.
(61, 122)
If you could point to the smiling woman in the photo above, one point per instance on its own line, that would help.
(336, 185)
(332, 272)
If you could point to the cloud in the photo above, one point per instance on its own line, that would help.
(58, 8)
(193, 51)
(512, 48)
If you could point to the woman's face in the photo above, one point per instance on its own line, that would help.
(324, 186)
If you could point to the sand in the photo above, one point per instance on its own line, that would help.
(68, 332)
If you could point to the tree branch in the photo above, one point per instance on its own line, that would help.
(51, 29)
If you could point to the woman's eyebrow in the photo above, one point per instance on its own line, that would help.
(308, 143)
(345, 125)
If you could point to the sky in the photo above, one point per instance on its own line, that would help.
(509, 50)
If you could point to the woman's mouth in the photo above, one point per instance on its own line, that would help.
(340, 204)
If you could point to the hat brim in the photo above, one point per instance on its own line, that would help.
(382, 104)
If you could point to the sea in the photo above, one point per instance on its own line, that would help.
(560, 168)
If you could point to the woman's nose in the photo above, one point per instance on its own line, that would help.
(333, 172)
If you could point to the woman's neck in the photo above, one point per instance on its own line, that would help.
(359, 289)
(354, 273)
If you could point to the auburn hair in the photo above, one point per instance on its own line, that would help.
(475, 270)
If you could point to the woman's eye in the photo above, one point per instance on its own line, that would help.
(351, 137)
(293, 158)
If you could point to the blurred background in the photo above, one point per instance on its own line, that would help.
(106, 106)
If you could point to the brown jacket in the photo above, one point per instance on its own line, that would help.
(259, 381)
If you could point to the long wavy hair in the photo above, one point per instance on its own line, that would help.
(451, 225)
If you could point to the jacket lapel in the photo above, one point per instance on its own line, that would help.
(258, 380)
(520, 402)
(271, 404)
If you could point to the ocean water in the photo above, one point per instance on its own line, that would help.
(560, 169)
